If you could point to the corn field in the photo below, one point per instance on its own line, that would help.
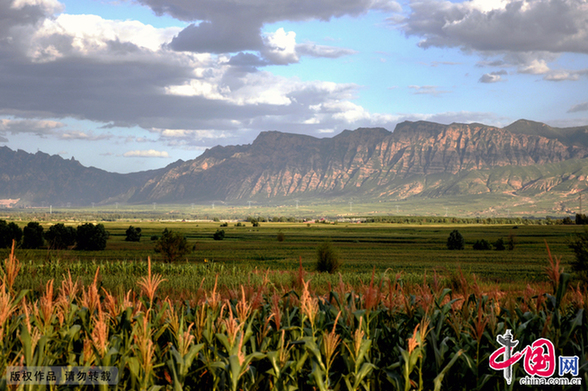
(385, 335)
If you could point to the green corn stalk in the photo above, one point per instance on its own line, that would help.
(237, 362)
(357, 361)
(180, 365)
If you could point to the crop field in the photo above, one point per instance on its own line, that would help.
(250, 313)
(412, 250)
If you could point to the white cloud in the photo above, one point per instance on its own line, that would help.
(562, 75)
(88, 136)
(91, 35)
(314, 50)
(38, 127)
(535, 67)
(427, 90)
(280, 47)
(493, 77)
(147, 153)
(579, 107)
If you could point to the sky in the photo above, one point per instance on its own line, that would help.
(133, 85)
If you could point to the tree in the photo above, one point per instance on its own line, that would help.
(60, 237)
(581, 219)
(90, 237)
(455, 241)
(512, 241)
(172, 246)
(8, 233)
(482, 245)
(327, 258)
(219, 234)
(133, 234)
(32, 235)
(580, 248)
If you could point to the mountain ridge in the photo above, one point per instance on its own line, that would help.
(417, 159)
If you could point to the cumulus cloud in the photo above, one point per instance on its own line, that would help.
(579, 107)
(146, 153)
(508, 25)
(562, 75)
(124, 74)
(280, 48)
(534, 31)
(493, 77)
(219, 31)
(37, 127)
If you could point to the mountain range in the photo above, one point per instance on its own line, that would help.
(417, 160)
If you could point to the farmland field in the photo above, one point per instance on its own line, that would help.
(241, 314)
(408, 248)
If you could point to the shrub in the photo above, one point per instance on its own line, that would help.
(90, 237)
(327, 258)
(133, 234)
(219, 234)
(455, 241)
(154, 237)
(60, 237)
(483, 245)
(225, 224)
(172, 246)
(281, 236)
(499, 245)
(32, 235)
(580, 247)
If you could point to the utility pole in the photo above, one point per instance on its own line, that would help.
(296, 204)
(155, 203)
(213, 205)
(396, 208)
(445, 210)
(249, 205)
(508, 210)
(50, 209)
(350, 206)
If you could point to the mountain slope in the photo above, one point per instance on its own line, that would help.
(417, 158)
(41, 178)
(421, 159)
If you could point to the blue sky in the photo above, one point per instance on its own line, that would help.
(132, 85)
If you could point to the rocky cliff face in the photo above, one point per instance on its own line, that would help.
(417, 158)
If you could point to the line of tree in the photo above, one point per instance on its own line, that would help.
(86, 237)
